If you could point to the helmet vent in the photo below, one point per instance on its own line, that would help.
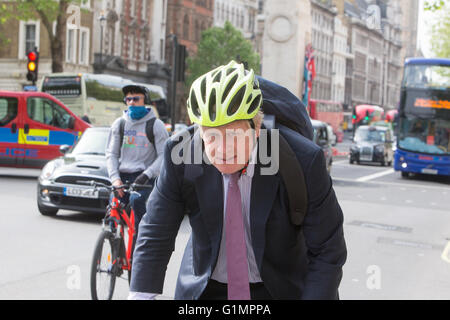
(212, 105)
(236, 101)
(249, 98)
(229, 71)
(217, 77)
(194, 106)
(229, 86)
(255, 104)
(203, 89)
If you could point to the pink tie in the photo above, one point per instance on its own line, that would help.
(237, 264)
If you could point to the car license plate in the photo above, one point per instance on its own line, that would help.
(365, 158)
(429, 171)
(81, 193)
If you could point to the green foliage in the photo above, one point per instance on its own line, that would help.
(47, 10)
(433, 5)
(440, 34)
(219, 46)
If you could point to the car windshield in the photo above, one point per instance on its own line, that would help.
(424, 135)
(92, 142)
(371, 135)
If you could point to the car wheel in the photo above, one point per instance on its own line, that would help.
(351, 160)
(47, 211)
(405, 174)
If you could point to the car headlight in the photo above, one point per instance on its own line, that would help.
(379, 148)
(50, 168)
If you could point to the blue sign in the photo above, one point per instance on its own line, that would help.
(30, 88)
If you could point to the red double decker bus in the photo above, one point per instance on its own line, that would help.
(327, 111)
(365, 114)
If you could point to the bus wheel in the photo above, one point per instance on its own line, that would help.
(405, 174)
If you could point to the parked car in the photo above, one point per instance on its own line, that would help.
(59, 182)
(322, 139)
(33, 126)
(372, 144)
(331, 135)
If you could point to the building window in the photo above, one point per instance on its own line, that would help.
(131, 44)
(71, 45)
(186, 27)
(132, 8)
(30, 37)
(144, 9)
(84, 46)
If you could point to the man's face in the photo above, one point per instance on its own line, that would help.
(135, 99)
(229, 147)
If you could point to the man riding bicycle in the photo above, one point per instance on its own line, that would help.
(135, 147)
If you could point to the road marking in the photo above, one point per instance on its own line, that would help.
(380, 226)
(340, 162)
(384, 183)
(375, 175)
(407, 243)
(444, 254)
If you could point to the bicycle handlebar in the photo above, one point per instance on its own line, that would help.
(126, 186)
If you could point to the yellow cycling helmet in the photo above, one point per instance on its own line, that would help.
(223, 95)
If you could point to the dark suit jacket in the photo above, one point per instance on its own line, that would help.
(294, 262)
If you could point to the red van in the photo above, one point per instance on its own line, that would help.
(33, 125)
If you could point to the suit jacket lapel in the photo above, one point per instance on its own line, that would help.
(208, 183)
(263, 193)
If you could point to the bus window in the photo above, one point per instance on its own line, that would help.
(98, 91)
(8, 110)
(62, 86)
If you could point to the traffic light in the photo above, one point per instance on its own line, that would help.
(367, 116)
(32, 66)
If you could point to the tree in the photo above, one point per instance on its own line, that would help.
(440, 34)
(47, 11)
(433, 5)
(219, 46)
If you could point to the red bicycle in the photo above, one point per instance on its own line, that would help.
(113, 249)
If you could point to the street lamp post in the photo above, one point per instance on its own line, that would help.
(102, 20)
(174, 80)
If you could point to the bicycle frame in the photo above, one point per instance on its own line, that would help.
(119, 213)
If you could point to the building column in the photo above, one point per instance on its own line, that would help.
(286, 33)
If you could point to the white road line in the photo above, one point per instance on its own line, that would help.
(375, 175)
(385, 183)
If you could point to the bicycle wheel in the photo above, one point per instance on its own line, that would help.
(104, 267)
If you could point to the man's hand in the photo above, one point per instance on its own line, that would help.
(141, 179)
(118, 183)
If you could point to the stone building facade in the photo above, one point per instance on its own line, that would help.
(21, 36)
(241, 14)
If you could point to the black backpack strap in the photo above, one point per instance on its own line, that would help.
(121, 133)
(149, 130)
(294, 180)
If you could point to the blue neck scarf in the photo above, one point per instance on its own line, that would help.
(137, 112)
